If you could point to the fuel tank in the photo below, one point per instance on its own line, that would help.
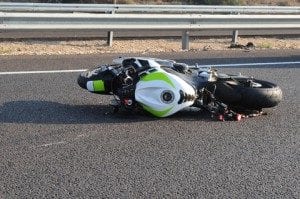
(163, 94)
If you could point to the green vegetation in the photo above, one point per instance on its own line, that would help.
(4, 50)
(265, 45)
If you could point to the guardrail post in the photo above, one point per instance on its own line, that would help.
(110, 34)
(235, 35)
(185, 40)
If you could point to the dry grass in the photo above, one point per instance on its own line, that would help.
(273, 2)
(243, 2)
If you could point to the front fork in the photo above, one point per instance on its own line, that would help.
(216, 108)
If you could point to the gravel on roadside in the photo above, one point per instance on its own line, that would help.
(36, 47)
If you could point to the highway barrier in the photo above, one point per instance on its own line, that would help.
(35, 21)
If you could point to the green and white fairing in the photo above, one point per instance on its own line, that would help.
(163, 94)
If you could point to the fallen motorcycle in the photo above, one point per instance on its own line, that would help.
(164, 87)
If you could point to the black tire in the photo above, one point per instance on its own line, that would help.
(269, 95)
(240, 95)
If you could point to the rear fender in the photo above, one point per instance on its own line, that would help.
(99, 80)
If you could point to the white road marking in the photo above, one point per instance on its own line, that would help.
(41, 72)
(208, 65)
(251, 64)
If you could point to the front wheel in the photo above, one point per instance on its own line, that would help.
(265, 95)
(248, 94)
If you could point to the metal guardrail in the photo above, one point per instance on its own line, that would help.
(129, 8)
(36, 16)
(48, 21)
(111, 22)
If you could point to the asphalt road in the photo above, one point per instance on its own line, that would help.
(57, 140)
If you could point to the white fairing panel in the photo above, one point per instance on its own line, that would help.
(159, 93)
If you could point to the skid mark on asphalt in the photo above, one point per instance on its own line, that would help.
(63, 142)
(52, 143)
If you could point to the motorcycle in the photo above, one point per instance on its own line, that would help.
(164, 87)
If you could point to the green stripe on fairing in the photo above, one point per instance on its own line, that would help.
(158, 76)
(155, 112)
(98, 85)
